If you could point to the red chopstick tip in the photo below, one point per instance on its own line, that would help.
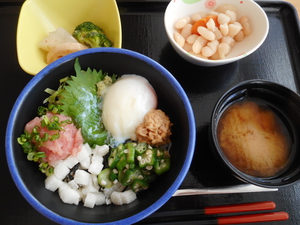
(273, 204)
(280, 216)
(254, 218)
(286, 215)
(244, 207)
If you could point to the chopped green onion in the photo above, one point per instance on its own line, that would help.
(36, 130)
(54, 137)
(30, 142)
(42, 111)
(49, 91)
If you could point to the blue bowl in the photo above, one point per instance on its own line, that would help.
(171, 99)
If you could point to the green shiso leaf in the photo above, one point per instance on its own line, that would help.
(81, 103)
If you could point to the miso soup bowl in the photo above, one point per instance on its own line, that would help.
(171, 99)
(278, 99)
(186, 8)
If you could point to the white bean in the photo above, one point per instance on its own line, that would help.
(198, 55)
(207, 52)
(224, 29)
(218, 34)
(211, 25)
(202, 40)
(182, 22)
(210, 49)
(223, 50)
(224, 8)
(213, 45)
(214, 42)
(187, 47)
(232, 15)
(247, 29)
(238, 24)
(244, 19)
(197, 16)
(197, 47)
(228, 40)
(222, 18)
(246, 25)
(192, 38)
(212, 13)
(186, 30)
(179, 39)
(207, 34)
(233, 30)
(239, 37)
(215, 56)
(199, 44)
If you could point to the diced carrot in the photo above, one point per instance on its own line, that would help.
(202, 22)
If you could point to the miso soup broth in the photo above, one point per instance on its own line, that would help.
(254, 138)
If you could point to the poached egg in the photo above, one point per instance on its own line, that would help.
(125, 105)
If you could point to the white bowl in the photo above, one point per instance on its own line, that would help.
(257, 19)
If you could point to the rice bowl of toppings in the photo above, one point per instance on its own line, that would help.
(85, 153)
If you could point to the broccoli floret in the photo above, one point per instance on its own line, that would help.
(91, 35)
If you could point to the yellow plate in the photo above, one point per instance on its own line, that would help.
(39, 17)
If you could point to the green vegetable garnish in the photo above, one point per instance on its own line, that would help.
(80, 101)
(91, 35)
(138, 185)
(137, 164)
(30, 142)
(103, 178)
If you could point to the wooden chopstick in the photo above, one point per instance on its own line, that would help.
(245, 207)
(251, 218)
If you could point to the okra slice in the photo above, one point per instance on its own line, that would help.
(113, 175)
(115, 156)
(148, 158)
(120, 175)
(138, 185)
(132, 165)
(149, 175)
(146, 172)
(141, 148)
(130, 175)
(122, 163)
(130, 152)
(162, 165)
(103, 178)
(150, 178)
